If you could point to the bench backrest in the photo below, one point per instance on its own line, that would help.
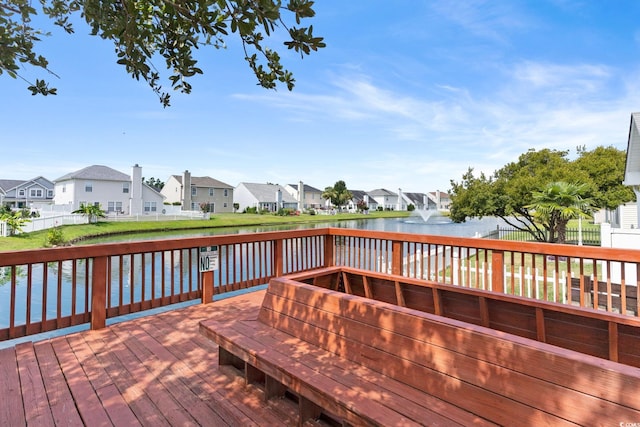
(498, 376)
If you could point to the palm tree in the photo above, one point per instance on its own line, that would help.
(338, 194)
(558, 203)
(93, 212)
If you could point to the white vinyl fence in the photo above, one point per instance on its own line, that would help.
(44, 223)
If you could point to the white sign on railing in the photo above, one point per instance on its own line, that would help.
(208, 258)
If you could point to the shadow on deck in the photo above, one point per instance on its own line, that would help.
(153, 371)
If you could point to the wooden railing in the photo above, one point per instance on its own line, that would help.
(48, 289)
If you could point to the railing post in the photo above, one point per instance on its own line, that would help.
(207, 286)
(396, 258)
(278, 258)
(329, 247)
(99, 293)
(497, 271)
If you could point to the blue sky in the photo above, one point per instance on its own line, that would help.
(407, 94)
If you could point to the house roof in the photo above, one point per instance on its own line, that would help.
(357, 195)
(307, 188)
(381, 192)
(632, 164)
(416, 198)
(204, 181)
(266, 193)
(8, 184)
(96, 172)
(442, 194)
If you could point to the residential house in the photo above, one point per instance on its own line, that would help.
(385, 199)
(360, 196)
(30, 194)
(307, 196)
(421, 201)
(195, 193)
(442, 200)
(114, 191)
(269, 197)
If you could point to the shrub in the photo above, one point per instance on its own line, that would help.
(55, 237)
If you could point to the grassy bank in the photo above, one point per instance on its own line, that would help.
(73, 233)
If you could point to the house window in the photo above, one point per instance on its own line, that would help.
(211, 192)
(50, 193)
(114, 206)
(150, 207)
(125, 187)
(64, 188)
(21, 192)
(88, 187)
(194, 191)
(226, 193)
(225, 204)
(36, 192)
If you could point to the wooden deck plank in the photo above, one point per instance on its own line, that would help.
(132, 393)
(152, 371)
(56, 387)
(85, 396)
(36, 407)
(118, 411)
(12, 408)
(208, 379)
(158, 363)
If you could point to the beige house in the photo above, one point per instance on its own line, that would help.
(308, 197)
(198, 193)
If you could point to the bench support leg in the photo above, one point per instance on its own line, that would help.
(273, 388)
(225, 357)
(308, 410)
(253, 374)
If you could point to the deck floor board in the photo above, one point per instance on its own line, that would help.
(152, 371)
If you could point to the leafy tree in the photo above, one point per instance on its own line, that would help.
(605, 166)
(93, 212)
(338, 194)
(508, 193)
(154, 183)
(558, 203)
(144, 31)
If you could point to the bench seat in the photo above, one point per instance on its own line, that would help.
(366, 362)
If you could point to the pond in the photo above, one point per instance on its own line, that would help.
(435, 224)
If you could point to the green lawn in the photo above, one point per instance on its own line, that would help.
(72, 233)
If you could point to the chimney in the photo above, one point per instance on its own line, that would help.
(278, 199)
(300, 196)
(186, 191)
(135, 197)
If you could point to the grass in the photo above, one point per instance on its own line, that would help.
(73, 233)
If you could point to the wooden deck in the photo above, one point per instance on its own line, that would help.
(153, 371)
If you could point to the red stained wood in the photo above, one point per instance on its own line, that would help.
(134, 373)
(12, 407)
(499, 376)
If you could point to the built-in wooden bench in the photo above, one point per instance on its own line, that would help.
(598, 333)
(360, 361)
